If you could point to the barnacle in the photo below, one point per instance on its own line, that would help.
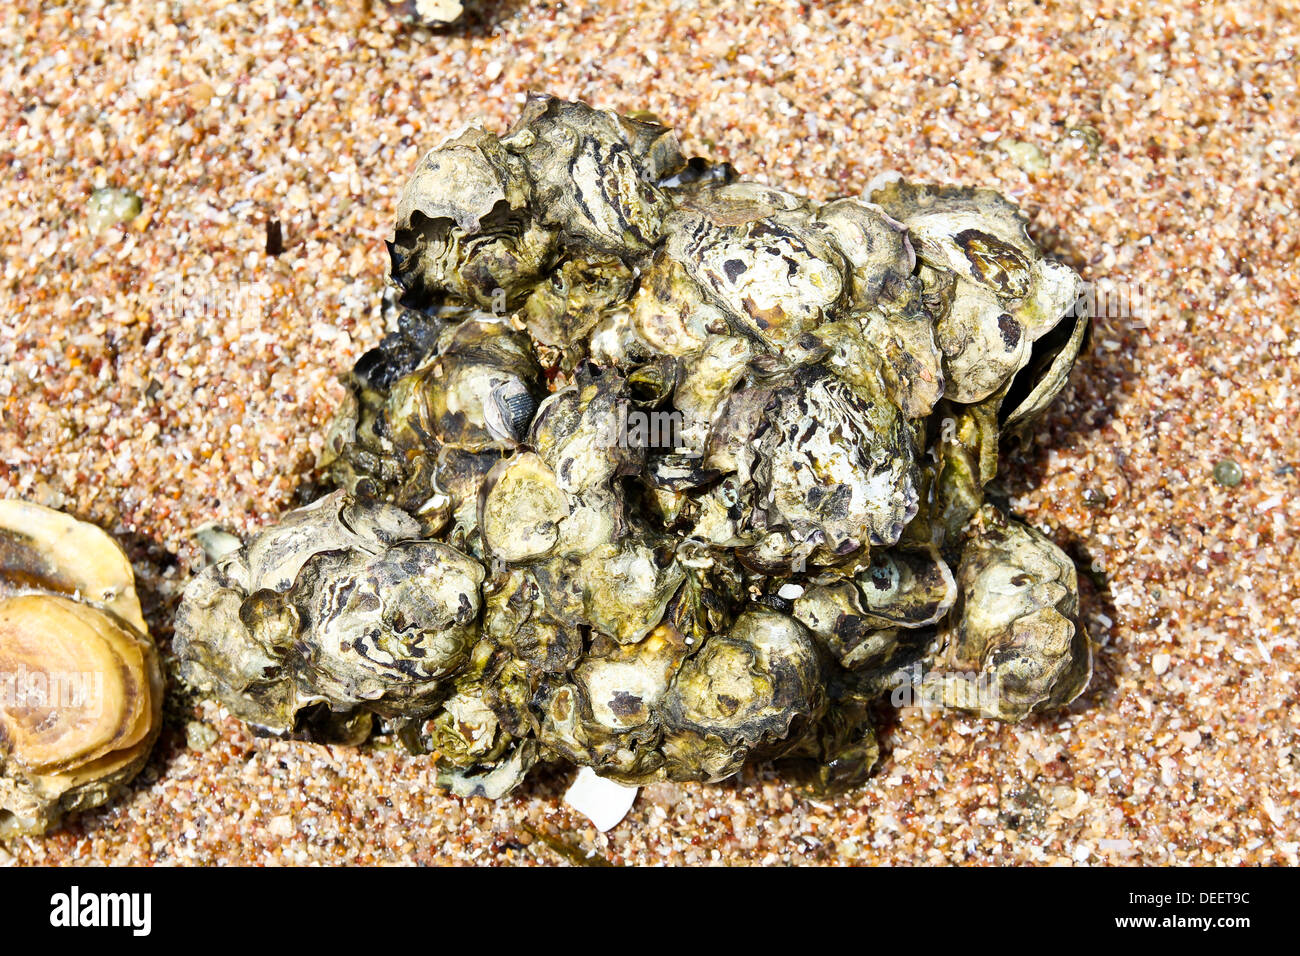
(660, 470)
(80, 685)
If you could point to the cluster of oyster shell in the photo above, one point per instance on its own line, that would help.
(81, 690)
(661, 471)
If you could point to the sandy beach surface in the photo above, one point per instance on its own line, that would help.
(167, 372)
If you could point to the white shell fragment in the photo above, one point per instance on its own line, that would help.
(603, 802)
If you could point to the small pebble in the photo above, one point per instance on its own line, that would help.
(199, 736)
(664, 794)
(215, 542)
(1089, 136)
(110, 206)
(1025, 155)
(1228, 473)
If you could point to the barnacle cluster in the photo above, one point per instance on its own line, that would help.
(80, 685)
(661, 471)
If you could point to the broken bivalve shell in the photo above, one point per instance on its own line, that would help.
(80, 684)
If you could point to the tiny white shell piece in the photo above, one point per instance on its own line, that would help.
(603, 802)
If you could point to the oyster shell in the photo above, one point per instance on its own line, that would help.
(741, 694)
(1015, 644)
(342, 604)
(464, 226)
(594, 174)
(80, 685)
(996, 293)
(833, 467)
(666, 470)
(858, 618)
(760, 256)
(425, 440)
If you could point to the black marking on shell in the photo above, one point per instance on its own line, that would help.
(625, 705)
(995, 262)
(1010, 331)
(517, 410)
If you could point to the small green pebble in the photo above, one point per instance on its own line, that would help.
(1228, 473)
(110, 206)
(199, 736)
(1025, 155)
